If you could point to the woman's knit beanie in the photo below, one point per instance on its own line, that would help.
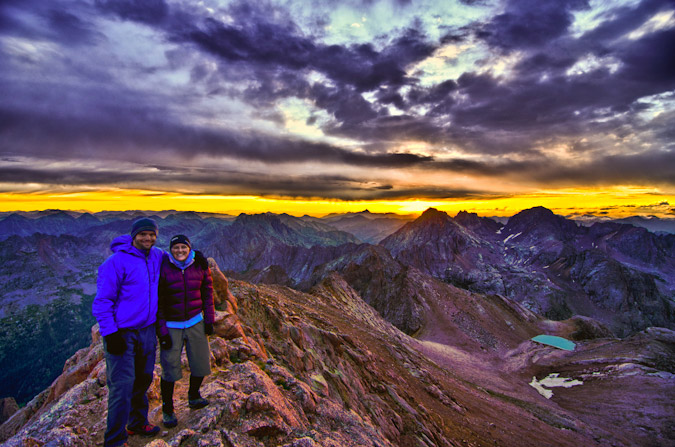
(180, 239)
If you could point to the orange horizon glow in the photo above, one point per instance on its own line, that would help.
(616, 202)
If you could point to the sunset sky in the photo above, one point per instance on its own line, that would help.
(313, 107)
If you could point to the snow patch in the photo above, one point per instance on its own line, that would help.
(551, 381)
(513, 236)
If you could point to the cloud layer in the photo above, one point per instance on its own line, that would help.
(368, 100)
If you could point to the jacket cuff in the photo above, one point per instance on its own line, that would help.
(162, 330)
(108, 330)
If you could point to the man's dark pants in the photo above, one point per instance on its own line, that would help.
(128, 377)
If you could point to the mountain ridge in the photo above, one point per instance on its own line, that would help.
(298, 369)
(620, 275)
(550, 264)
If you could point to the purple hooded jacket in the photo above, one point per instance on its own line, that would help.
(184, 294)
(126, 296)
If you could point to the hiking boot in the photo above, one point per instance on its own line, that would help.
(197, 403)
(145, 430)
(169, 419)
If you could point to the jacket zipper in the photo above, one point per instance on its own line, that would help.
(147, 266)
(185, 303)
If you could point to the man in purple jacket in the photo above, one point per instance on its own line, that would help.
(125, 307)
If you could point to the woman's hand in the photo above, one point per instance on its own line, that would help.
(165, 342)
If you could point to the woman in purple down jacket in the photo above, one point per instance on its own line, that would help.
(185, 316)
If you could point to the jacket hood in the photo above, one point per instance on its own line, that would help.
(124, 243)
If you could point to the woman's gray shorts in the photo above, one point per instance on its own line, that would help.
(196, 348)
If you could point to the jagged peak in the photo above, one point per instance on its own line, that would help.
(464, 218)
(57, 214)
(464, 213)
(536, 211)
(540, 219)
(433, 214)
(187, 214)
(430, 217)
(84, 216)
(537, 215)
(261, 217)
(15, 217)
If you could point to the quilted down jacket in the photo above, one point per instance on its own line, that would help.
(184, 293)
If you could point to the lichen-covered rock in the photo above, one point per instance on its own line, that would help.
(302, 442)
(228, 326)
(223, 298)
(219, 351)
(8, 407)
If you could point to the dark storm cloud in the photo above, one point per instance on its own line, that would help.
(605, 170)
(645, 62)
(278, 56)
(621, 20)
(526, 107)
(262, 56)
(439, 93)
(137, 135)
(197, 181)
(257, 42)
(386, 131)
(346, 105)
(68, 177)
(543, 101)
(615, 169)
(145, 11)
(51, 22)
(531, 23)
(70, 28)
(262, 43)
(488, 168)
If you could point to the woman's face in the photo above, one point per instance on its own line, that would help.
(180, 252)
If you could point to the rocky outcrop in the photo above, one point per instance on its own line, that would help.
(324, 368)
(483, 226)
(8, 407)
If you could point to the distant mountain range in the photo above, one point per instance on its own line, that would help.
(651, 223)
(620, 275)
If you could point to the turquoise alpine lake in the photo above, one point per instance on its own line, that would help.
(557, 342)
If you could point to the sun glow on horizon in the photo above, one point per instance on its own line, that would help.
(615, 202)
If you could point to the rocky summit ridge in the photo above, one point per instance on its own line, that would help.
(323, 368)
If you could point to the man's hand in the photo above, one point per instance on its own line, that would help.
(165, 342)
(115, 343)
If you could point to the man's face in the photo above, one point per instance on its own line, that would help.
(145, 240)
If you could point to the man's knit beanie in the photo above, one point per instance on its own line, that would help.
(143, 224)
(179, 239)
